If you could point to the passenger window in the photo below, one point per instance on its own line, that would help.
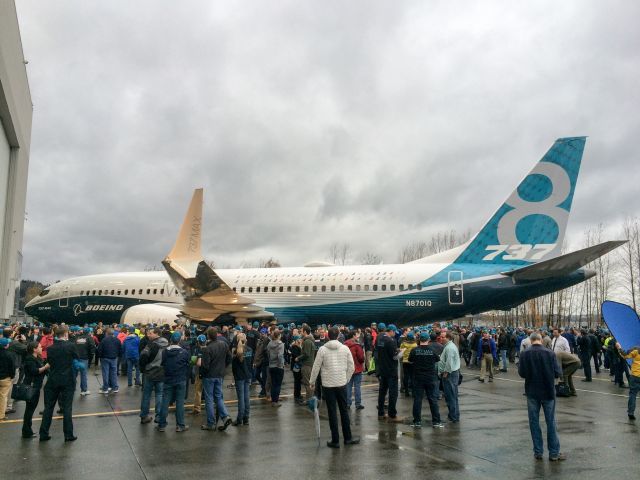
(111, 292)
(297, 289)
(161, 291)
(250, 289)
(140, 292)
(273, 289)
(306, 288)
(350, 287)
(401, 287)
(419, 286)
(119, 292)
(324, 288)
(366, 288)
(81, 292)
(357, 288)
(126, 292)
(384, 288)
(315, 289)
(288, 289)
(242, 290)
(234, 289)
(392, 287)
(281, 289)
(342, 288)
(333, 288)
(258, 289)
(375, 288)
(99, 292)
(410, 287)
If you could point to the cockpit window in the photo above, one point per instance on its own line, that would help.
(44, 292)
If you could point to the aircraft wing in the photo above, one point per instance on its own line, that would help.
(206, 295)
(564, 264)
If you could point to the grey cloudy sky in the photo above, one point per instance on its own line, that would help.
(368, 122)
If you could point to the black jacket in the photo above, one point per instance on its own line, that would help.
(424, 359)
(32, 377)
(386, 349)
(7, 364)
(241, 368)
(215, 358)
(60, 356)
(539, 368)
(110, 347)
(85, 346)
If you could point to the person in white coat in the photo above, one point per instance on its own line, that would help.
(335, 362)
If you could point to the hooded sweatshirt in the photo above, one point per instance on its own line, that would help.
(335, 362)
(175, 361)
(275, 350)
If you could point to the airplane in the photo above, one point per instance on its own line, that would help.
(516, 256)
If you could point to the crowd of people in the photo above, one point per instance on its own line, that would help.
(327, 364)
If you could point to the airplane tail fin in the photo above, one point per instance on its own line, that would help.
(530, 225)
(186, 253)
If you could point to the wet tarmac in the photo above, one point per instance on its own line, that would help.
(492, 440)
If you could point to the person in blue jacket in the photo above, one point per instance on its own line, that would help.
(486, 354)
(175, 361)
(131, 346)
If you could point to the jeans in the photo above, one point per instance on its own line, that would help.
(148, 387)
(503, 357)
(450, 387)
(109, 373)
(354, 383)
(549, 408)
(242, 392)
(172, 393)
(634, 388)
(213, 398)
(83, 376)
(131, 364)
(277, 374)
(430, 387)
(337, 396)
(389, 384)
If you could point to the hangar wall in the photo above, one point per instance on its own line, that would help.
(16, 111)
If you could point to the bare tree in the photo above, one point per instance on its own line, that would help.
(628, 258)
(339, 253)
(369, 258)
(271, 263)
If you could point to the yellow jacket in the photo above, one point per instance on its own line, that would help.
(408, 346)
(635, 366)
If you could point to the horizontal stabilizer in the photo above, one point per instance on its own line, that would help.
(564, 264)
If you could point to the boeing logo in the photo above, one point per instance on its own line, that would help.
(77, 308)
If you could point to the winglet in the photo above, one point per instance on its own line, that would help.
(186, 253)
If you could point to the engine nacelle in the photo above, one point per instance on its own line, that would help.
(150, 313)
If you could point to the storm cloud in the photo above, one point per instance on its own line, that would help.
(307, 123)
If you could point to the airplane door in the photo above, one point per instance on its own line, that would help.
(63, 302)
(456, 292)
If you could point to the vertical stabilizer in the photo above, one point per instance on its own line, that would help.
(186, 253)
(530, 225)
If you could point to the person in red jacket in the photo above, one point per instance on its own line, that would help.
(356, 379)
(45, 342)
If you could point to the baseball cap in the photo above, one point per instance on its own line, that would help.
(424, 336)
(176, 336)
(202, 339)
